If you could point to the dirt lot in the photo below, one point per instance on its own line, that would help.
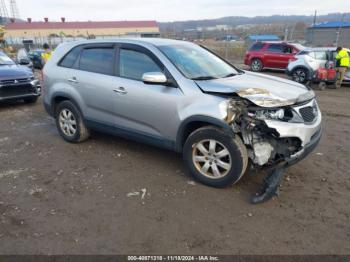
(113, 196)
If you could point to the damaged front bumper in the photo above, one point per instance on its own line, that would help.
(309, 134)
(278, 142)
(308, 148)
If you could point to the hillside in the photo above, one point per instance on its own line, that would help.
(241, 20)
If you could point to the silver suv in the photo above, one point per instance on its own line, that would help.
(180, 96)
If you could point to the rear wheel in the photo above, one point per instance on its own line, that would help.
(256, 65)
(70, 124)
(215, 158)
(300, 75)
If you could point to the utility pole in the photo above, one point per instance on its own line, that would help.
(286, 32)
(339, 29)
(313, 28)
(3, 11)
(315, 16)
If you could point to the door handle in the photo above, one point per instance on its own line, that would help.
(120, 90)
(73, 80)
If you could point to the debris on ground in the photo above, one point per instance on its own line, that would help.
(192, 183)
(4, 139)
(143, 190)
(35, 190)
(132, 194)
(270, 186)
(13, 173)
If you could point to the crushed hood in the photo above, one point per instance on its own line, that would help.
(262, 90)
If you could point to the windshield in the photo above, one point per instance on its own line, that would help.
(5, 60)
(196, 63)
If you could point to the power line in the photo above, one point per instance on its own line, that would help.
(14, 9)
(3, 10)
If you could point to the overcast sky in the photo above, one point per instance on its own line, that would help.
(171, 10)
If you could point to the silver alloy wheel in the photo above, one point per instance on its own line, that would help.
(299, 76)
(211, 158)
(67, 122)
(256, 65)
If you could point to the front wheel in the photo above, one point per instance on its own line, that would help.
(300, 75)
(215, 158)
(70, 124)
(256, 65)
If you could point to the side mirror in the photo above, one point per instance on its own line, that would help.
(24, 62)
(154, 78)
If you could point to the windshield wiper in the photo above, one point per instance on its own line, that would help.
(229, 75)
(204, 78)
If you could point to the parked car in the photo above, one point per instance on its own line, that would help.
(23, 59)
(35, 57)
(17, 82)
(272, 55)
(180, 96)
(304, 66)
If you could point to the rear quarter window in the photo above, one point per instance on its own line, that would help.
(256, 47)
(320, 55)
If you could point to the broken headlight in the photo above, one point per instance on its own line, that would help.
(286, 114)
(274, 114)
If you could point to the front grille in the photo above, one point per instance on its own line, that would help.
(16, 90)
(308, 113)
(14, 81)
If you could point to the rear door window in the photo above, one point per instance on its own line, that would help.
(98, 60)
(287, 49)
(133, 64)
(275, 48)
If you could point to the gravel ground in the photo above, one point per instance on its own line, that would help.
(114, 196)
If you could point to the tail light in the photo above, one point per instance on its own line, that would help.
(292, 60)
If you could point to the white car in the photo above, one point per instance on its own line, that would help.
(308, 61)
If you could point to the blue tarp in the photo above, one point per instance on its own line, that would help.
(334, 24)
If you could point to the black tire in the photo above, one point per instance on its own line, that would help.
(31, 100)
(256, 65)
(322, 86)
(81, 131)
(235, 147)
(300, 75)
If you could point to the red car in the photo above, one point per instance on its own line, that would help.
(275, 55)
